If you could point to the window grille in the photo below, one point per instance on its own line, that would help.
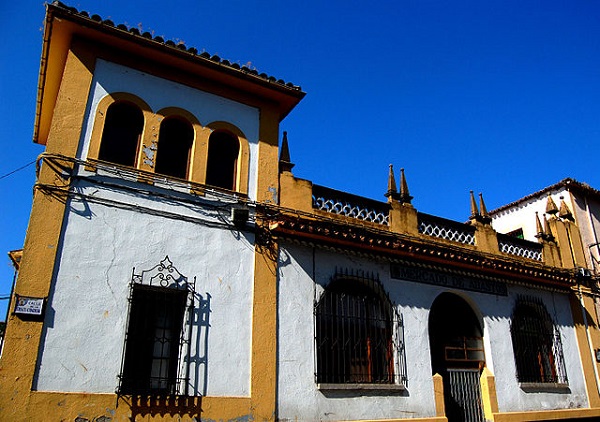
(537, 344)
(156, 352)
(359, 334)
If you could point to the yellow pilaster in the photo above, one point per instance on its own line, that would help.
(264, 332)
(486, 238)
(488, 394)
(295, 193)
(438, 395)
(403, 219)
(586, 329)
(20, 353)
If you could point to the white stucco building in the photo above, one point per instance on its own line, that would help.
(175, 269)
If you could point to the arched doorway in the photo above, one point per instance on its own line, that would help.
(456, 344)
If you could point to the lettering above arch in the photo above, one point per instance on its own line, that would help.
(130, 127)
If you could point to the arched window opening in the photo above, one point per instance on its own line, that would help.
(223, 151)
(121, 134)
(174, 145)
(537, 345)
(355, 333)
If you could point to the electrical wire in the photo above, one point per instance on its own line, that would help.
(16, 170)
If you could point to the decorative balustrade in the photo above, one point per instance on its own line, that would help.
(353, 206)
(446, 229)
(519, 247)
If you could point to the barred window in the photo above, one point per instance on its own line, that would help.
(537, 345)
(157, 340)
(357, 331)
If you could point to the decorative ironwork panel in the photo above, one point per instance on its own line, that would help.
(463, 401)
(519, 247)
(359, 334)
(157, 347)
(537, 344)
(446, 229)
(341, 203)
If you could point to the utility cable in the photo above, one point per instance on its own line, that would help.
(16, 170)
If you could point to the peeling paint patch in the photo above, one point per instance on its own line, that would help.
(273, 191)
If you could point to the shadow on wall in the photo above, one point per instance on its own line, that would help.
(198, 359)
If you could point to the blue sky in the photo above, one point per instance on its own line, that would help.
(501, 97)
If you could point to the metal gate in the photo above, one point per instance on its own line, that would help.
(462, 393)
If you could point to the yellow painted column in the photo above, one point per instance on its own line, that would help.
(20, 353)
(488, 394)
(263, 380)
(438, 395)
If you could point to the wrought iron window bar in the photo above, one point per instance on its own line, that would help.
(157, 345)
(358, 334)
(537, 344)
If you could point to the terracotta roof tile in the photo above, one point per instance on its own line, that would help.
(134, 32)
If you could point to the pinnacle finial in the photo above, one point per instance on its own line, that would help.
(392, 191)
(405, 197)
(285, 163)
(538, 226)
(484, 216)
(547, 230)
(551, 207)
(564, 212)
(474, 209)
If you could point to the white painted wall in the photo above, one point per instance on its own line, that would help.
(298, 396)
(522, 216)
(159, 93)
(86, 316)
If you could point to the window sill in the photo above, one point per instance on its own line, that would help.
(552, 387)
(360, 386)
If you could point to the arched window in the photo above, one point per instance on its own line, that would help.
(536, 343)
(223, 152)
(174, 145)
(121, 135)
(354, 333)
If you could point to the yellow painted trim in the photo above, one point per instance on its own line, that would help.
(546, 415)
(22, 341)
(243, 161)
(196, 127)
(100, 116)
(585, 356)
(263, 378)
(268, 158)
(488, 393)
(68, 406)
(438, 395)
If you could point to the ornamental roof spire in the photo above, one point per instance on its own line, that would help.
(564, 211)
(485, 217)
(285, 163)
(547, 230)
(405, 197)
(551, 207)
(392, 191)
(538, 226)
(474, 209)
